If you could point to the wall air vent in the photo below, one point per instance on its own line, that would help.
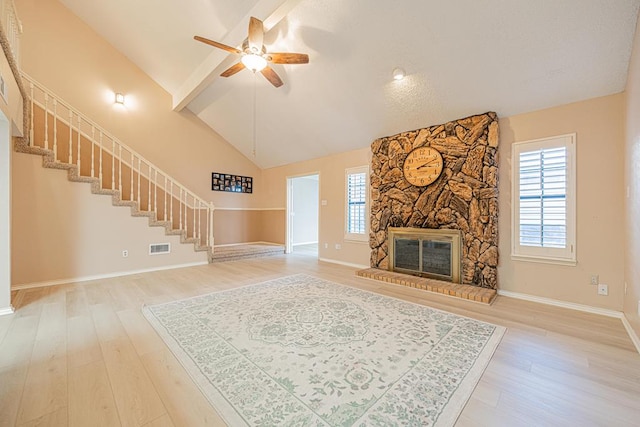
(159, 248)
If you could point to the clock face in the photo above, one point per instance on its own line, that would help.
(422, 166)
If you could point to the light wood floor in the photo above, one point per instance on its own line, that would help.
(83, 355)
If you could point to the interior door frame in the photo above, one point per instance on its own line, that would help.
(288, 238)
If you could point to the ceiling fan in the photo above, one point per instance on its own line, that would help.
(254, 55)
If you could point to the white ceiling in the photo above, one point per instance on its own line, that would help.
(461, 57)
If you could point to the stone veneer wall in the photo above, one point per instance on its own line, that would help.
(464, 197)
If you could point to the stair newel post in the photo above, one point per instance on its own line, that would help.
(79, 143)
(70, 134)
(155, 192)
(120, 170)
(93, 154)
(55, 130)
(113, 164)
(210, 230)
(31, 119)
(46, 121)
(164, 218)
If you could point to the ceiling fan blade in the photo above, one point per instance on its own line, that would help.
(216, 44)
(288, 58)
(233, 69)
(272, 76)
(256, 35)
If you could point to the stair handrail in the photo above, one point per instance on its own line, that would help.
(12, 26)
(116, 150)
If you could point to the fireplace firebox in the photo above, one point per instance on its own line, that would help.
(425, 252)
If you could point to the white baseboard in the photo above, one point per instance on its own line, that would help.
(6, 310)
(102, 276)
(305, 243)
(563, 304)
(346, 264)
(632, 333)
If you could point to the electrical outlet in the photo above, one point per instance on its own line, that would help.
(595, 279)
(338, 246)
(326, 246)
(603, 289)
(125, 253)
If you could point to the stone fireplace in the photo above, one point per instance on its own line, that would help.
(425, 252)
(463, 199)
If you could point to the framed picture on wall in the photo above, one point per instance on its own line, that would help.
(231, 183)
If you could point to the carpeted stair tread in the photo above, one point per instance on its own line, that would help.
(245, 251)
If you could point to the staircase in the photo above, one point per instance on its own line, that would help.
(68, 140)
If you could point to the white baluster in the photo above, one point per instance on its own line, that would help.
(171, 205)
(194, 216)
(155, 193)
(93, 154)
(139, 176)
(70, 136)
(180, 208)
(120, 171)
(46, 121)
(101, 149)
(79, 127)
(164, 218)
(31, 118)
(113, 164)
(55, 130)
(149, 188)
(199, 223)
(131, 169)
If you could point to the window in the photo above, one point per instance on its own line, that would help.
(357, 203)
(544, 200)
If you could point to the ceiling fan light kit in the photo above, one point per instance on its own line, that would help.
(398, 73)
(253, 62)
(254, 55)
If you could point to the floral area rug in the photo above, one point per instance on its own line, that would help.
(303, 351)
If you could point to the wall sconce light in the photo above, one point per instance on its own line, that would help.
(398, 73)
(119, 98)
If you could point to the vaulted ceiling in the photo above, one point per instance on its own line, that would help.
(461, 58)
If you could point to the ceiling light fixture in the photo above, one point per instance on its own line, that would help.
(119, 99)
(253, 62)
(398, 73)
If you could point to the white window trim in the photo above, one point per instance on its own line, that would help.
(356, 237)
(565, 256)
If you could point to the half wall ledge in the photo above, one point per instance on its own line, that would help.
(468, 292)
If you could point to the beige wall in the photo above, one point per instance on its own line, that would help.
(76, 234)
(332, 189)
(632, 185)
(244, 226)
(63, 53)
(599, 125)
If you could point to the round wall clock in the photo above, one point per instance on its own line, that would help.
(422, 166)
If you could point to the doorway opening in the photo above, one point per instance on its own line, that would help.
(303, 193)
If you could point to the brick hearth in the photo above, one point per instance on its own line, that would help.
(469, 292)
